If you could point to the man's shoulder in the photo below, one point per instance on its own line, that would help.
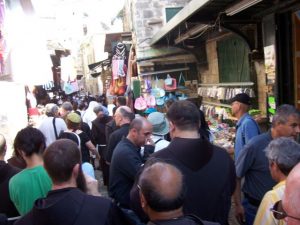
(259, 139)
(98, 200)
(123, 147)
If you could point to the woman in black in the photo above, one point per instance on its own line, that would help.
(74, 133)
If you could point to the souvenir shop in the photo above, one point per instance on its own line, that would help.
(151, 78)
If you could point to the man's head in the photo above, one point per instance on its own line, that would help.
(291, 198)
(240, 104)
(121, 100)
(2, 147)
(183, 116)
(99, 111)
(162, 188)
(73, 121)
(29, 141)
(140, 131)
(62, 160)
(123, 115)
(65, 109)
(51, 110)
(286, 122)
(283, 154)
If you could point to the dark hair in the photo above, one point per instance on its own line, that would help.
(121, 100)
(204, 128)
(137, 124)
(60, 158)
(169, 102)
(184, 115)
(2, 144)
(30, 140)
(126, 114)
(75, 105)
(154, 196)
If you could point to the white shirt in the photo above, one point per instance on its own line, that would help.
(160, 144)
(46, 127)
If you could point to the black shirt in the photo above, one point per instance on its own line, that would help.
(71, 206)
(125, 164)
(209, 175)
(114, 139)
(7, 206)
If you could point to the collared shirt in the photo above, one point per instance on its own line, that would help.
(254, 166)
(247, 128)
(264, 216)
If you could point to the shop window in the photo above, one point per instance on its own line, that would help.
(171, 12)
(233, 60)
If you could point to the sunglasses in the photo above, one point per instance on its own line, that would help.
(279, 213)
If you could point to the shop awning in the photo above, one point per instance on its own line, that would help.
(100, 63)
(199, 16)
(161, 52)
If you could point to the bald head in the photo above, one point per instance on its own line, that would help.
(291, 198)
(153, 182)
(123, 115)
(2, 145)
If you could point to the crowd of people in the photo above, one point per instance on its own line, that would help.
(159, 169)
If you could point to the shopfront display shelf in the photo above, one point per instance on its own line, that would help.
(164, 71)
(216, 104)
(232, 84)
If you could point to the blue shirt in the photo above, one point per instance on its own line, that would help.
(247, 128)
(253, 164)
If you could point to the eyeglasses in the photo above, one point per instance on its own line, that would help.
(279, 213)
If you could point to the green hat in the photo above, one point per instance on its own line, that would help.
(74, 117)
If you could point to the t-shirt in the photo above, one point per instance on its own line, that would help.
(47, 128)
(27, 186)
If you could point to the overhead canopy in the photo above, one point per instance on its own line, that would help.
(161, 52)
(215, 13)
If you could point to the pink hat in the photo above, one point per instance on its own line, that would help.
(140, 103)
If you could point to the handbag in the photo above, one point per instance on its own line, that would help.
(168, 80)
(157, 91)
(170, 83)
(181, 82)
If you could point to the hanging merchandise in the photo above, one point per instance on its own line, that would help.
(120, 86)
(136, 87)
(160, 101)
(170, 83)
(181, 82)
(147, 85)
(119, 68)
(150, 100)
(140, 104)
(70, 87)
(157, 91)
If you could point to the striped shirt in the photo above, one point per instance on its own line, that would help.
(264, 216)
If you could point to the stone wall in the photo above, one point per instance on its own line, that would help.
(149, 17)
